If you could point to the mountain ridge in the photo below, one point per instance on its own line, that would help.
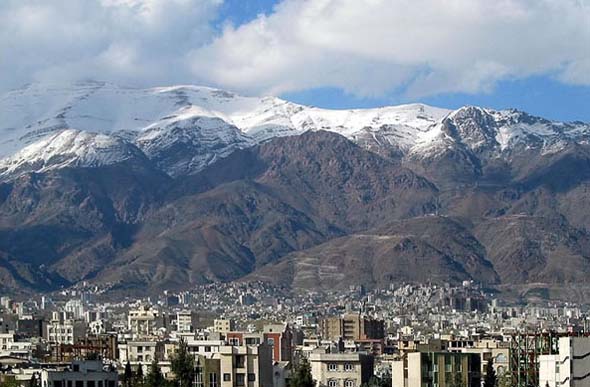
(153, 191)
(204, 124)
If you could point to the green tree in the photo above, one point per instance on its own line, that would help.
(301, 376)
(490, 379)
(505, 380)
(138, 382)
(183, 365)
(154, 377)
(128, 375)
(457, 380)
(10, 383)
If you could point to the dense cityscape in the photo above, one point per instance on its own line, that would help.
(294, 193)
(254, 334)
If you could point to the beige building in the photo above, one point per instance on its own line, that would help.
(184, 321)
(64, 331)
(498, 351)
(437, 369)
(352, 327)
(245, 366)
(340, 369)
(223, 325)
(143, 321)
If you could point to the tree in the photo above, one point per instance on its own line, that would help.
(301, 376)
(154, 378)
(128, 376)
(10, 383)
(138, 376)
(490, 380)
(183, 365)
(505, 380)
(457, 380)
(35, 380)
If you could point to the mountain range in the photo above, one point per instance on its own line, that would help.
(164, 188)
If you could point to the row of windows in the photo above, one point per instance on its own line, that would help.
(199, 378)
(80, 383)
(240, 378)
(60, 330)
(334, 367)
(336, 383)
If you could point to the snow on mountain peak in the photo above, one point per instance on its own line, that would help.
(211, 123)
(68, 148)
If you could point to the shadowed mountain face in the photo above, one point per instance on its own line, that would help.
(471, 200)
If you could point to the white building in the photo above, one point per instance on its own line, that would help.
(340, 369)
(75, 308)
(184, 321)
(143, 321)
(60, 331)
(15, 349)
(569, 368)
(80, 374)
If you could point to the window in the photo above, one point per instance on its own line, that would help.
(348, 367)
(270, 341)
(199, 375)
(349, 383)
(207, 348)
(332, 367)
(240, 380)
(79, 383)
(226, 377)
(251, 377)
(91, 383)
(213, 379)
(332, 383)
(501, 358)
(240, 361)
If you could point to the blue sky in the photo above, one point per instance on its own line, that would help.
(529, 55)
(541, 96)
(538, 95)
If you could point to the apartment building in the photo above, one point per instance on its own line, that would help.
(223, 325)
(570, 367)
(245, 366)
(184, 321)
(64, 331)
(437, 369)
(280, 338)
(80, 374)
(340, 369)
(143, 321)
(352, 327)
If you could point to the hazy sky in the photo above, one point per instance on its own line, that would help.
(529, 54)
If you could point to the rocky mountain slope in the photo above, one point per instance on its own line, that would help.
(167, 187)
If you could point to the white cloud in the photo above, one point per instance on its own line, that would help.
(132, 41)
(366, 47)
(371, 47)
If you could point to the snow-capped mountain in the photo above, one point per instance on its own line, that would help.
(69, 148)
(185, 128)
(500, 132)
